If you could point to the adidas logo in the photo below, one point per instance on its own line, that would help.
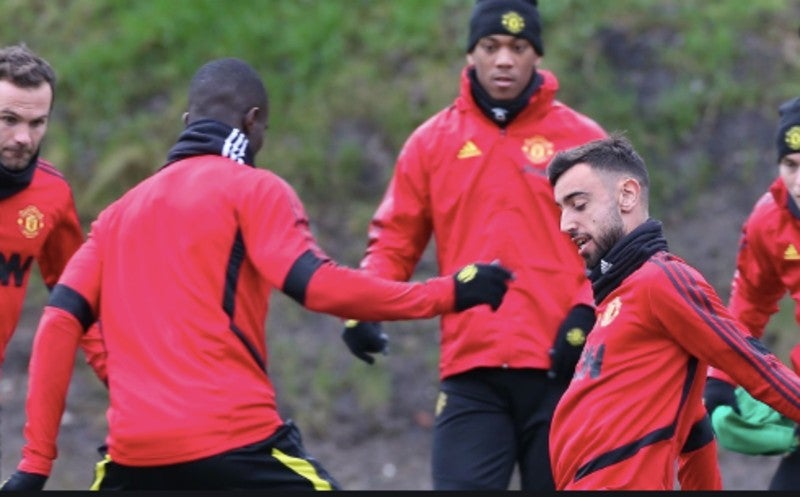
(791, 254)
(469, 150)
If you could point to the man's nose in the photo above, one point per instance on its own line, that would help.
(566, 223)
(505, 57)
(23, 135)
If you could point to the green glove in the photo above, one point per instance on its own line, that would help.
(758, 430)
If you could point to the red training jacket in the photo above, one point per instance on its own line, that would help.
(482, 193)
(179, 271)
(38, 224)
(767, 264)
(638, 386)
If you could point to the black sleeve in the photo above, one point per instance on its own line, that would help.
(300, 274)
(73, 302)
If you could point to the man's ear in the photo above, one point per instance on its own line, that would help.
(629, 194)
(185, 118)
(250, 118)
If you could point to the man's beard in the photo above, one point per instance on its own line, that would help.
(606, 240)
(18, 160)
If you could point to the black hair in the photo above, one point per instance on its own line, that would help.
(225, 90)
(613, 154)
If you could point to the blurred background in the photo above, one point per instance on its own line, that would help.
(694, 84)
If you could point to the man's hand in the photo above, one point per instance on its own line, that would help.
(365, 338)
(24, 481)
(568, 345)
(719, 393)
(478, 284)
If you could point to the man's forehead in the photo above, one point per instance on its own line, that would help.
(506, 39)
(25, 101)
(579, 179)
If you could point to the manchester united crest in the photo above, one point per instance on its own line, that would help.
(30, 221)
(792, 137)
(611, 312)
(513, 22)
(538, 149)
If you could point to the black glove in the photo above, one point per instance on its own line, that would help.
(364, 338)
(719, 393)
(478, 284)
(24, 481)
(571, 336)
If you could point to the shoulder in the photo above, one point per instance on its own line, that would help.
(50, 185)
(47, 172)
(436, 131)
(765, 219)
(574, 119)
(666, 271)
(443, 120)
(764, 209)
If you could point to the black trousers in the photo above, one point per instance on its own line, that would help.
(787, 476)
(489, 421)
(277, 463)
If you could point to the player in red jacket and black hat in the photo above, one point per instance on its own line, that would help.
(767, 268)
(471, 178)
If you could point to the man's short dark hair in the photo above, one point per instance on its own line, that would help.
(22, 67)
(612, 154)
(225, 89)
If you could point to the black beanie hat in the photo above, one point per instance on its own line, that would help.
(788, 136)
(518, 18)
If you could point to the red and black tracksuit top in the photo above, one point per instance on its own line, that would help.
(482, 193)
(638, 386)
(179, 271)
(37, 223)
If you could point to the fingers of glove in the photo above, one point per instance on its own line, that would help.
(364, 338)
(718, 393)
(364, 357)
(372, 337)
(24, 481)
(478, 284)
(497, 270)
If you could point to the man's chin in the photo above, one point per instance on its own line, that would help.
(15, 164)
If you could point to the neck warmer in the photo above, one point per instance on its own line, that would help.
(625, 257)
(210, 137)
(502, 112)
(12, 182)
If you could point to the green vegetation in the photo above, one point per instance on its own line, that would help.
(349, 79)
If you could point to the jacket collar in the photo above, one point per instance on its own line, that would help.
(783, 199)
(540, 102)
